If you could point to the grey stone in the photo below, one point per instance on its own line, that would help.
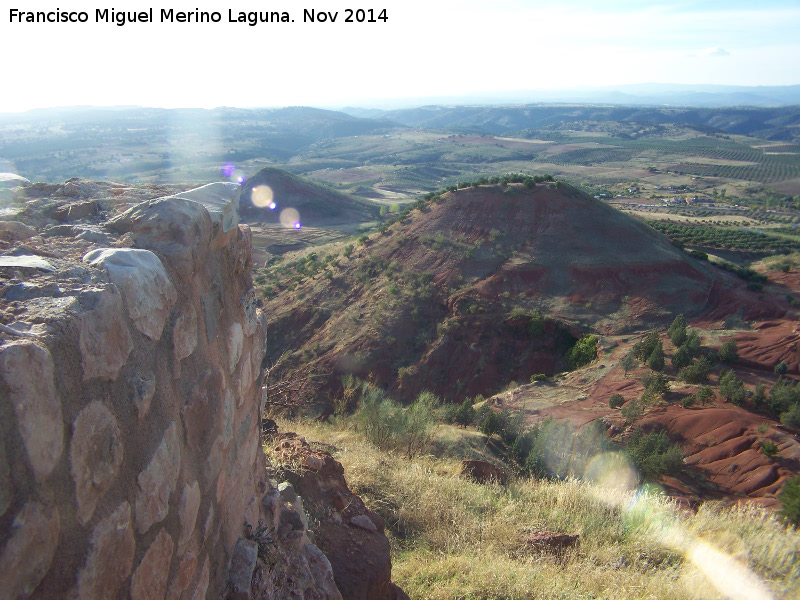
(250, 304)
(235, 345)
(144, 283)
(15, 231)
(211, 303)
(92, 234)
(187, 512)
(26, 261)
(29, 551)
(178, 229)
(105, 341)
(321, 571)
(110, 558)
(95, 456)
(286, 490)
(142, 391)
(157, 481)
(364, 522)
(240, 573)
(149, 581)
(221, 200)
(27, 370)
(184, 334)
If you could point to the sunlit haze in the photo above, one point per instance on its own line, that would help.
(424, 49)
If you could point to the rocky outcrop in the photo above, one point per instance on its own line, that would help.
(483, 472)
(347, 532)
(130, 456)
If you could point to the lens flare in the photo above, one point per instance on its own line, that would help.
(297, 225)
(289, 218)
(228, 170)
(613, 476)
(731, 578)
(262, 197)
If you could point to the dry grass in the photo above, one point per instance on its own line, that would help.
(454, 539)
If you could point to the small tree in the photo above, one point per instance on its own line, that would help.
(697, 372)
(681, 358)
(465, 415)
(642, 350)
(677, 331)
(704, 394)
(732, 388)
(628, 362)
(781, 368)
(583, 352)
(729, 353)
(656, 359)
(632, 411)
(491, 424)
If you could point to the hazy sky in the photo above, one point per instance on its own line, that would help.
(426, 48)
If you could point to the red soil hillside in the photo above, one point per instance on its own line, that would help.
(443, 299)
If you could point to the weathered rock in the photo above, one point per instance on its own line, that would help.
(228, 415)
(145, 285)
(27, 370)
(157, 481)
(244, 250)
(15, 231)
(78, 188)
(142, 391)
(110, 559)
(235, 345)
(29, 551)
(75, 210)
(27, 261)
(201, 411)
(220, 199)
(183, 577)
(483, 472)
(92, 234)
(211, 304)
(240, 572)
(177, 229)
(321, 571)
(198, 591)
(286, 490)
(105, 341)
(187, 512)
(149, 581)
(364, 522)
(184, 335)
(95, 456)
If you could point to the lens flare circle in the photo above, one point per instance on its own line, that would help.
(289, 217)
(262, 197)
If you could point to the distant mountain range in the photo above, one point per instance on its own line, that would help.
(642, 94)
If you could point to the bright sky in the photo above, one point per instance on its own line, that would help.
(426, 48)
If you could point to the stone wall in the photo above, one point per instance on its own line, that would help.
(130, 384)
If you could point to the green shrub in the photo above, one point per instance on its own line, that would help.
(791, 417)
(642, 350)
(538, 377)
(616, 400)
(681, 358)
(697, 372)
(768, 448)
(632, 411)
(729, 353)
(732, 388)
(653, 454)
(687, 401)
(704, 394)
(790, 500)
(781, 368)
(583, 352)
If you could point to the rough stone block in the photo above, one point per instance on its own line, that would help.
(187, 512)
(95, 456)
(184, 334)
(149, 581)
(144, 283)
(198, 591)
(202, 410)
(235, 344)
(320, 568)
(110, 558)
(27, 370)
(105, 341)
(29, 551)
(142, 392)
(183, 577)
(6, 495)
(240, 573)
(178, 229)
(157, 481)
(364, 522)
(220, 199)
